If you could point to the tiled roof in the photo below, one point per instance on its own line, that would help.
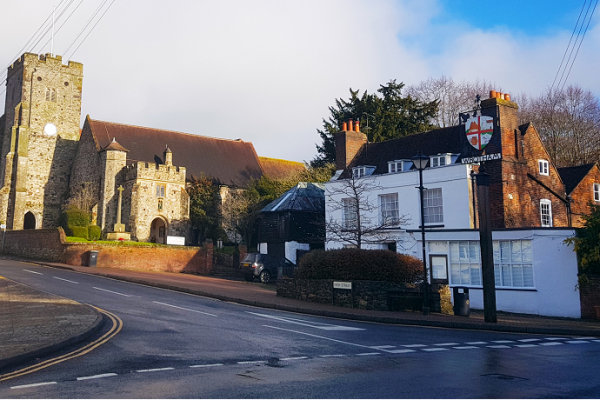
(302, 197)
(571, 176)
(230, 162)
(114, 145)
(438, 141)
(275, 168)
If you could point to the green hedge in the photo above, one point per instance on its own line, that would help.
(80, 231)
(74, 217)
(94, 232)
(357, 264)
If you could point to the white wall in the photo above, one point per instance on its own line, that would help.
(452, 179)
(291, 247)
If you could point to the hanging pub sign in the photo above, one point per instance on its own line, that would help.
(479, 142)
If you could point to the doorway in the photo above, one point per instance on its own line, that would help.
(158, 231)
(29, 221)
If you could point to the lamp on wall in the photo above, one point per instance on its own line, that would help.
(420, 161)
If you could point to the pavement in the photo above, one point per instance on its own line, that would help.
(37, 322)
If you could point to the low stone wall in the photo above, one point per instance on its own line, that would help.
(589, 293)
(50, 245)
(367, 295)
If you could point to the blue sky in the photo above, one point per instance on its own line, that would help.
(266, 71)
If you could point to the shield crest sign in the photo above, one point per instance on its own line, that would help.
(479, 131)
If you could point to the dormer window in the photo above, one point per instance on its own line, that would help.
(440, 160)
(364, 170)
(395, 166)
(543, 167)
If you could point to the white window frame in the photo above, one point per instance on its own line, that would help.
(544, 167)
(596, 189)
(513, 267)
(389, 210)
(433, 206)
(395, 166)
(359, 172)
(349, 213)
(439, 161)
(546, 213)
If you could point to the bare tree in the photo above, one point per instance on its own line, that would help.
(362, 221)
(83, 198)
(568, 122)
(239, 211)
(454, 98)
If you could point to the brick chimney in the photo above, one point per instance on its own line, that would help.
(505, 116)
(347, 143)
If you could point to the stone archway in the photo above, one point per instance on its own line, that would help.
(158, 231)
(29, 221)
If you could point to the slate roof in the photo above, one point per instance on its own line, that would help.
(275, 168)
(437, 141)
(302, 197)
(571, 176)
(230, 162)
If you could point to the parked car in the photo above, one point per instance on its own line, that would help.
(264, 266)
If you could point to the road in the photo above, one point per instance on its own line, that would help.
(175, 345)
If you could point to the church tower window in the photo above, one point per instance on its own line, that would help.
(160, 190)
(50, 94)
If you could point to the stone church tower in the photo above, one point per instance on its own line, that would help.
(39, 133)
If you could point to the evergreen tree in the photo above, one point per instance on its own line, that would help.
(384, 115)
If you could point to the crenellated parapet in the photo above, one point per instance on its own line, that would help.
(155, 172)
(49, 61)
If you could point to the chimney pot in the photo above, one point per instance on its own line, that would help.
(345, 126)
(356, 126)
(492, 94)
(507, 97)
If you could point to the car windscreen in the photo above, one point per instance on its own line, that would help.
(250, 258)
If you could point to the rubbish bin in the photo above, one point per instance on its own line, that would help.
(462, 306)
(93, 258)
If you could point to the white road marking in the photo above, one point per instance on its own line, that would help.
(435, 349)
(292, 358)
(465, 347)
(529, 340)
(252, 362)
(474, 343)
(401, 351)
(382, 347)
(596, 340)
(368, 354)
(33, 385)
(155, 369)
(551, 344)
(499, 346)
(446, 344)
(205, 365)
(413, 345)
(577, 341)
(66, 280)
(186, 309)
(317, 325)
(110, 291)
(33, 272)
(526, 345)
(83, 378)
(321, 337)
(503, 341)
(585, 338)
(332, 355)
(556, 338)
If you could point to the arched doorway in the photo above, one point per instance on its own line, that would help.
(29, 221)
(158, 231)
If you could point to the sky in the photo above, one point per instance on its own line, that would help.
(266, 71)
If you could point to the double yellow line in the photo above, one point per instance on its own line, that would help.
(117, 325)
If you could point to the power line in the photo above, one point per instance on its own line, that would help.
(86, 25)
(99, 19)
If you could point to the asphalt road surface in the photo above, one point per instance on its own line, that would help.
(175, 345)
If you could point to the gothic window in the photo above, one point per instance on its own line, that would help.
(160, 190)
(50, 94)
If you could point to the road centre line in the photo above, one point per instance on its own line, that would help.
(384, 347)
(529, 340)
(435, 349)
(33, 385)
(475, 343)
(413, 345)
(556, 338)
(401, 351)
(502, 341)
(446, 344)
(155, 369)
(499, 346)
(252, 362)
(33, 272)
(321, 337)
(332, 355)
(577, 341)
(66, 280)
(205, 365)
(368, 354)
(551, 344)
(182, 308)
(85, 378)
(299, 358)
(466, 347)
(585, 338)
(110, 291)
(526, 345)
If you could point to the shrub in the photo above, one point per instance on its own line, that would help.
(94, 232)
(73, 217)
(80, 231)
(357, 264)
(586, 243)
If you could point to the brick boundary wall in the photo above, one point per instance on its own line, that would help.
(50, 245)
(365, 295)
(590, 296)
